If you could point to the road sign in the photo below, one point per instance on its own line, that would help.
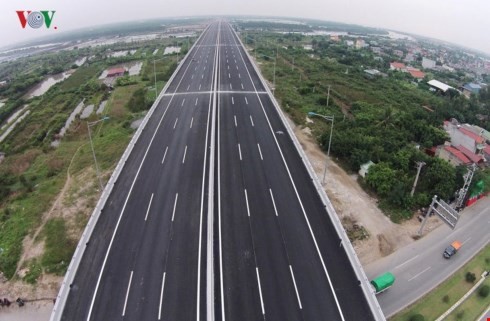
(448, 214)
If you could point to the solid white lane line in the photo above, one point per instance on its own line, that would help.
(252, 121)
(418, 274)
(161, 297)
(196, 101)
(210, 293)
(185, 152)
(260, 152)
(127, 294)
(199, 86)
(165, 154)
(246, 201)
(240, 151)
(94, 296)
(295, 190)
(183, 100)
(295, 288)
(273, 202)
(149, 205)
(260, 291)
(236, 125)
(175, 205)
(192, 120)
(175, 124)
(232, 100)
(413, 258)
(246, 100)
(242, 86)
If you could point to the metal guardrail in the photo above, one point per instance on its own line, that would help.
(354, 260)
(83, 243)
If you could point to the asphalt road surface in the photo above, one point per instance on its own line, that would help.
(420, 266)
(214, 216)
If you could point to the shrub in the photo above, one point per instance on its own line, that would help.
(417, 317)
(484, 291)
(470, 277)
(460, 315)
(445, 299)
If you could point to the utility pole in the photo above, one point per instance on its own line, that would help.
(155, 75)
(328, 95)
(419, 167)
(429, 211)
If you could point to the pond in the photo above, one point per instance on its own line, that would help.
(47, 83)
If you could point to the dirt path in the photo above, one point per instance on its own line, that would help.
(32, 248)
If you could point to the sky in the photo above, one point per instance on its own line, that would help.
(463, 22)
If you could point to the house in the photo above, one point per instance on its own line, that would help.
(416, 73)
(462, 136)
(452, 155)
(428, 63)
(308, 47)
(360, 43)
(409, 58)
(376, 50)
(349, 43)
(397, 66)
(365, 169)
(475, 158)
(436, 85)
(398, 53)
(373, 73)
(3, 83)
(470, 88)
(335, 38)
(116, 72)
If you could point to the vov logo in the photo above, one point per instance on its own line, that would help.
(36, 19)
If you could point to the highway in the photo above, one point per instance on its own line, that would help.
(215, 216)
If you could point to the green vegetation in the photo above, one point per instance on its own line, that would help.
(435, 303)
(382, 119)
(59, 248)
(34, 172)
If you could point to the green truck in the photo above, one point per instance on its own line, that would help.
(383, 282)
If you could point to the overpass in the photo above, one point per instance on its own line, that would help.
(214, 212)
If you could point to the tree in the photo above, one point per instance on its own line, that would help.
(381, 178)
(439, 178)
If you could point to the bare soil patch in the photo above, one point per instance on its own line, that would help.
(376, 235)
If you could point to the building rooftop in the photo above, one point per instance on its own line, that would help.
(397, 65)
(472, 156)
(475, 137)
(458, 154)
(115, 71)
(439, 85)
(416, 73)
